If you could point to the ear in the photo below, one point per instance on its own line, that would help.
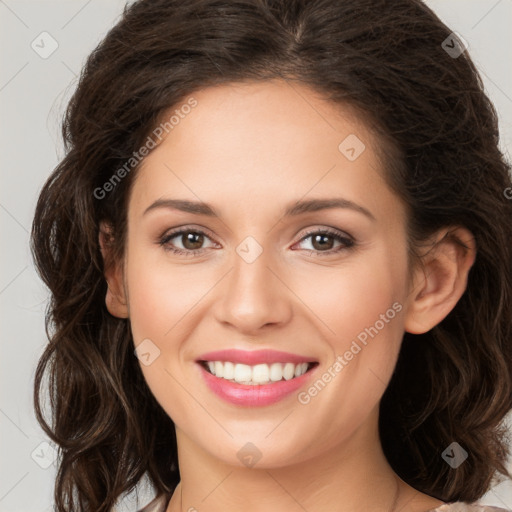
(439, 283)
(116, 297)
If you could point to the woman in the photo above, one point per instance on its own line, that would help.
(279, 255)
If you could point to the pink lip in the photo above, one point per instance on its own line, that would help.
(253, 357)
(253, 396)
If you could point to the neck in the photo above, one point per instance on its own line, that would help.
(352, 476)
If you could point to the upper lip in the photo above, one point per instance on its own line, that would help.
(253, 357)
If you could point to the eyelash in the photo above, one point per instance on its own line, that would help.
(346, 240)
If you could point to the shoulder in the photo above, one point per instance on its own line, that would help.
(158, 504)
(459, 506)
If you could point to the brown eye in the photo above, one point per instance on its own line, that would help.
(191, 241)
(323, 241)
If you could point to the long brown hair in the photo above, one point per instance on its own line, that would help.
(389, 61)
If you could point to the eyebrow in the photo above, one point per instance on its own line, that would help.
(293, 209)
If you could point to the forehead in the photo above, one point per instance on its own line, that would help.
(253, 142)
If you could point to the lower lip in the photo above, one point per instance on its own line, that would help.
(253, 395)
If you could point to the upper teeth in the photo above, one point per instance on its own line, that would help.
(257, 374)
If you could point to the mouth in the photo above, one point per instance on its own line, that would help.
(255, 378)
(259, 374)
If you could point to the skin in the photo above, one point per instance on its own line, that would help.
(249, 150)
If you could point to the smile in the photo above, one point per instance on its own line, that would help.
(254, 378)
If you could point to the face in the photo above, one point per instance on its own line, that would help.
(255, 275)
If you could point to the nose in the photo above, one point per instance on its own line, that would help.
(253, 295)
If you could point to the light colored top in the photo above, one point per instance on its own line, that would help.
(160, 503)
(460, 506)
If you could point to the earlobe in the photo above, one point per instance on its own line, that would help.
(441, 281)
(116, 297)
(116, 303)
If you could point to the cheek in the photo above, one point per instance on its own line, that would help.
(161, 295)
(160, 298)
(151, 306)
(352, 298)
(365, 347)
(360, 311)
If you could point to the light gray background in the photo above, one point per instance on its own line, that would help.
(33, 94)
